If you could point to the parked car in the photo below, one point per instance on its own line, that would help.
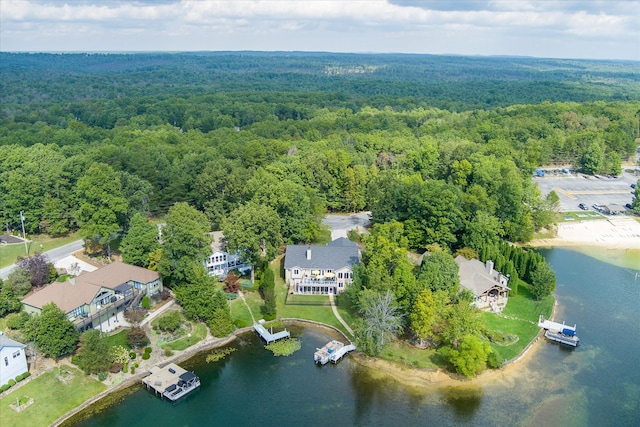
(633, 186)
(583, 207)
(628, 206)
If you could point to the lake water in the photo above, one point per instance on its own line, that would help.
(597, 384)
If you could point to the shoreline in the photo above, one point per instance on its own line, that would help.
(407, 376)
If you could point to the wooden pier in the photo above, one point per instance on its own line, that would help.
(559, 332)
(171, 382)
(269, 336)
(332, 352)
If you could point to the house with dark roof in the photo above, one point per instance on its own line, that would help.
(13, 360)
(488, 285)
(91, 297)
(314, 269)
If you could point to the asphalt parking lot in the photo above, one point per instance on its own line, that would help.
(574, 189)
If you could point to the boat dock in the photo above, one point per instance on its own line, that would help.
(332, 352)
(559, 332)
(171, 382)
(269, 336)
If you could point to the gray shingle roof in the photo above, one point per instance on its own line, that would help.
(336, 254)
(5, 341)
(475, 277)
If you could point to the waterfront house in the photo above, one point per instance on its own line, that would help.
(13, 360)
(221, 262)
(95, 296)
(487, 285)
(314, 269)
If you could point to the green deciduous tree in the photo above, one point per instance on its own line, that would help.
(101, 204)
(139, 242)
(470, 357)
(439, 271)
(9, 303)
(254, 230)
(426, 315)
(185, 242)
(19, 281)
(52, 332)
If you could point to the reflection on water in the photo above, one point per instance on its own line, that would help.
(597, 384)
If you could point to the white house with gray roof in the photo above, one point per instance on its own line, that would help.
(13, 360)
(312, 269)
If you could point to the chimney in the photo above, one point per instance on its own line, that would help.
(309, 254)
(489, 267)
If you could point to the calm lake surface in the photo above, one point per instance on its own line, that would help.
(597, 384)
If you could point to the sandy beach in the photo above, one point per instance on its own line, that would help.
(610, 233)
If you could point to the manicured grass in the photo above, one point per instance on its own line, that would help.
(405, 354)
(52, 398)
(117, 339)
(519, 318)
(9, 254)
(198, 334)
(310, 299)
(239, 312)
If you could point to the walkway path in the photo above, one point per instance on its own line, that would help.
(157, 312)
(248, 308)
(335, 311)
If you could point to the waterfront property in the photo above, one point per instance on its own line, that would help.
(171, 382)
(91, 297)
(269, 336)
(559, 332)
(488, 285)
(332, 351)
(314, 269)
(13, 361)
(221, 262)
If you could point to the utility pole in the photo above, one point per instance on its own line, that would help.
(24, 236)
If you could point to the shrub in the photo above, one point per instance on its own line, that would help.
(115, 368)
(132, 355)
(4, 388)
(135, 316)
(125, 368)
(136, 337)
(133, 370)
(11, 383)
(102, 376)
(136, 364)
(164, 295)
(17, 320)
(146, 356)
(167, 351)
(75, 359)
(145, 303)
(170, 321)
(147, 350)
(494, 360)
(23, 376)
(232, 295)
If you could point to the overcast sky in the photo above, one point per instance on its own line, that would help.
(558, 29)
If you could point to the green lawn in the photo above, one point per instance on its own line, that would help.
(39, 243)
(405, 354)
(52, 398)
(198, 334)
(119, 338)
(239, 312)
(520, 318)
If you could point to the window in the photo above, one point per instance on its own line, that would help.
(296, 272)
(340, 276)
(6, 361)
(16, 354)
(77, 312)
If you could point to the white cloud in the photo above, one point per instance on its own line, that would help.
(296, 24)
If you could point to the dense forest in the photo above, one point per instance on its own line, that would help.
(440, 149)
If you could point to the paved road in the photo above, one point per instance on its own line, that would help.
(54, 255)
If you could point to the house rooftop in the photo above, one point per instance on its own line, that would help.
(335, 255)
(114, 274)
(66, 295)
(477, 277)
(5, 341)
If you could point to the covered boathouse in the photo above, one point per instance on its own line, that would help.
(172, 381)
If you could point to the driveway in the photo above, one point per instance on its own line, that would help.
(54, 255)
(340, 224)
